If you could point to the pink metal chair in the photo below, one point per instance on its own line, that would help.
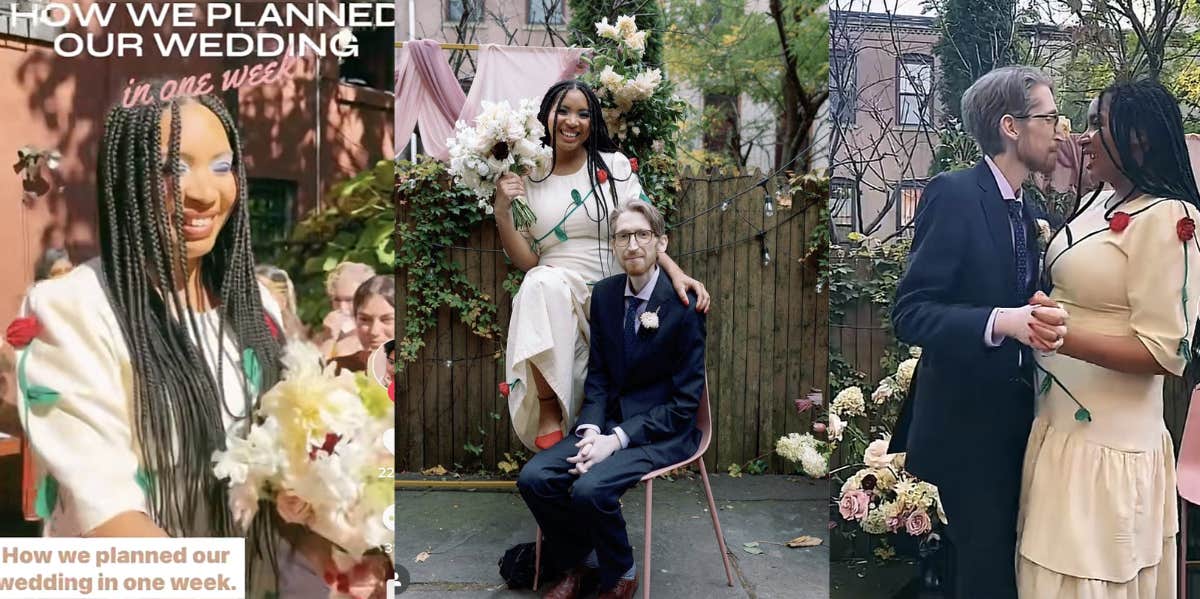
(704, 423)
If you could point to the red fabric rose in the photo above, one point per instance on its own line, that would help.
(1119, 222)
(633, 164)
(1186, 229)
(504, 389)
(331, 441)
(271, 326)
(23, 330)
(601, 175)
(392, 391)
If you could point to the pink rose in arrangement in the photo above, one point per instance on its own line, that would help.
(292, 508)
(895, 523)
(918, 523)
(854, 505)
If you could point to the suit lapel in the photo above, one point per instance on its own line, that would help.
(996, 214)
(659, 301)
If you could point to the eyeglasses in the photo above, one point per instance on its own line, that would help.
(1051, 117)
(643, 237)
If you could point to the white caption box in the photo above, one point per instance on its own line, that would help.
(73, 568)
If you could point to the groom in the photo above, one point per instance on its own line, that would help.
(643, 388)
(966, 300)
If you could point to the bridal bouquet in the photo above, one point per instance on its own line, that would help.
(503, 140)
(315, 450)
(883, 498)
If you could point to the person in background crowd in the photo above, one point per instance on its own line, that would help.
(277, 281)
(338, 336)
(375, 320)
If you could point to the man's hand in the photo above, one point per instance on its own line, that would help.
(593, 449)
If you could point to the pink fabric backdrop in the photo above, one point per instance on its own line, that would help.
(515, 72)
(427, 94)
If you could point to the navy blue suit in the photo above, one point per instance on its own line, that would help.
(653, 395)
(970, 408)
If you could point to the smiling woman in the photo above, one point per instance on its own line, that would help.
(136, 363)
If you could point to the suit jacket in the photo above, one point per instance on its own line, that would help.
(653, 394)
(961, 404)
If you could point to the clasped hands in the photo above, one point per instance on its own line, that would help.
(1041, 325)
(593, 449)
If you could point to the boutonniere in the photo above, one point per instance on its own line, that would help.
(649, 320)
(1044, 231)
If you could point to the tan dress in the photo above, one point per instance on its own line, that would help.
(1098, 506)
(549, 324)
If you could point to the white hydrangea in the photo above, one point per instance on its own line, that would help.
(849, 402)
(904, 373)
(814, 462)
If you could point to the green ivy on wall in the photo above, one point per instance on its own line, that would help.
(440, 214)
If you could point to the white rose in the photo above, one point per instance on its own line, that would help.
(882, 393)
(603, 29)
(636, 42)
(649, 320)
(835, 428)
(876, 455)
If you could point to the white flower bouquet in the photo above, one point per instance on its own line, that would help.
(805, 451)
(502, 140)
(315, 450)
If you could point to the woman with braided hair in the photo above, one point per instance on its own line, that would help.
(1098, 503)
(564, 253)
(135, 365)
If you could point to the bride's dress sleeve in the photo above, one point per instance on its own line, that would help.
(74, 382)
(1156, 282)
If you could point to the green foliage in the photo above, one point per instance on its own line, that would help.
(646, 13)
(356, 226)
(441, 215)
(975, 38)
(649, 128)
(720, 47)
(955, 150)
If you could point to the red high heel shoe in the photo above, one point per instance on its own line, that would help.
(548, 440)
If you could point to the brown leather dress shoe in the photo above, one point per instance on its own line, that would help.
(568, 587)
(624, 590)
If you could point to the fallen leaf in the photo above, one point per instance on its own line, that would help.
(435, 471)
(804, 541)
(750, 544)
(753, 550)
(421, 557)
(508, 467)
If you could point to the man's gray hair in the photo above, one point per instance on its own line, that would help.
(646, 209)
(999, 92)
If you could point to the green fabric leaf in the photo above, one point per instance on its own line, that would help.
(1082, 415)
(1046, 382)
(560, 233)
(575, 197)
(252, 370)
(38, 396)
(145, 480)
(47, 497)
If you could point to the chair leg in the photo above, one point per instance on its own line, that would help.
(1183, 535)
(646, 548)
(537, 557)
(712, 509)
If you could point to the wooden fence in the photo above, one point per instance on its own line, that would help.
(767, 333)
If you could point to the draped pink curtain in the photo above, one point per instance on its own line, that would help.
(515, 72)
(427, 94)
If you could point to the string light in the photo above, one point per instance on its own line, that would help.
(768, 206)
(724, 205)
(762, 242)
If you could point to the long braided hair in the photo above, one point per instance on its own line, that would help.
(178, 402)
(598, 141)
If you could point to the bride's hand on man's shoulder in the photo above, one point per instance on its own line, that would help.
(685, 284)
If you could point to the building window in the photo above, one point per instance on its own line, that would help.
(914, 81)
(375, 64)
(546, 12)
(908, 197)
(272, 202)
(842, 205)
(25, 27)
(464, 10)
(843, 85)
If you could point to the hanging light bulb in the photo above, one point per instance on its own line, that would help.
(766, 256)
(724, 205)
(449, 363)
(769, 208)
